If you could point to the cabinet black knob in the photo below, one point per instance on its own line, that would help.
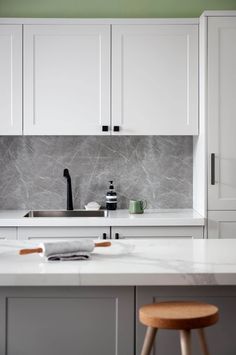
(104, 236)
(116, 128)
(117, 236)
(105, 128)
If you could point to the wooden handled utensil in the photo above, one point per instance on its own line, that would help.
(73, 246)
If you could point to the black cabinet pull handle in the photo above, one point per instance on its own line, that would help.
(105, 128)
(213, 181)
(117, 236)
(104, 236)
(116, 128)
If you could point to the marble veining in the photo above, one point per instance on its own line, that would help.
(150, 262)
(157, 168)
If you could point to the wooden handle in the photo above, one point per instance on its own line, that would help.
(40, 250)
(30, 251)
(103, 244)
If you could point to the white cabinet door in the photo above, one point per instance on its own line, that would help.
(53, 233)
(10, 79)
(222, 224)
(157, 232)
(155, 79)
(66, 79)
(8, 233)
(222, 112)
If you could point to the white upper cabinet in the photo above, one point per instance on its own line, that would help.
(222, 113)
(66, 79)
(10, 79)
(155, 79)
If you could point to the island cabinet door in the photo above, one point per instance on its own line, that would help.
(222, 113)
(220, 337)
(66, 79)
(61, 321)
(155, 79)
(58, 233)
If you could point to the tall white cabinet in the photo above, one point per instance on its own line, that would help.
(10, 79)
(221, 114)
(155, 79)
(66, 79)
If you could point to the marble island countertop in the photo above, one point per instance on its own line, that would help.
(127, 262)
(164, 217)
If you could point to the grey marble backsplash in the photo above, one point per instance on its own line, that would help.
(157, 168)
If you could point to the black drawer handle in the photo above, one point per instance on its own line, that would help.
(117, 236)
(105, 128)
(104, 236)
(213, 181)
(116, 128)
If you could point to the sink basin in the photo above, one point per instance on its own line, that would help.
(79, 213)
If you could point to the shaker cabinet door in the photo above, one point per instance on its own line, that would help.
(155, 79)
(66, 79)
(67, 320)
(10, 80)
(222, 113)
(8, 233)
(221, 224)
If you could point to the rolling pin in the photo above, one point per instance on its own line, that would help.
(51, 248)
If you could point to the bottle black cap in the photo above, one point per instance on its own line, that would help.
(111, 187)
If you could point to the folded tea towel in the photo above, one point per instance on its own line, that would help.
(80, 255)
(71, 250)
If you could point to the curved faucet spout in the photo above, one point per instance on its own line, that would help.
(66, 174)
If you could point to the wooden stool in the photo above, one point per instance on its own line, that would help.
(179, 315)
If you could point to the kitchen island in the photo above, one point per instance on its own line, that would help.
(88, 307)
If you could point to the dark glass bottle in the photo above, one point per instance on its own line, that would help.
(111, 198)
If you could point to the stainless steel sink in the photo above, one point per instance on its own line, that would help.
(79, 213)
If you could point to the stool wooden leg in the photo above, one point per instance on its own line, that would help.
(203, 343)
(149, 340)
(185, 342)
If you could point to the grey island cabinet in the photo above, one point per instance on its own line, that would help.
(91, 307)
(66, 320)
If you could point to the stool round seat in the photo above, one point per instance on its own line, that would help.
(179, 315)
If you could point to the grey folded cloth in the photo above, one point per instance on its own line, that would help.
(68, 250)
(79, 255)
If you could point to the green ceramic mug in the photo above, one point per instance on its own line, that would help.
(137, 206)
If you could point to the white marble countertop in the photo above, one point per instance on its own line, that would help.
(165, 217)
(127, 262)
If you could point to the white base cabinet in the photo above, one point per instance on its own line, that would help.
(222, 224)
(60, 233)
(157, 232)
(57, 233)
(8, 233)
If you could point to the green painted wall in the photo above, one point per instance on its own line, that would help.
(111, 8)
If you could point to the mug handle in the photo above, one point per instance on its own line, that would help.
(144, 204)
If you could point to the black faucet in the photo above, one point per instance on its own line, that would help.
(66, 174)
